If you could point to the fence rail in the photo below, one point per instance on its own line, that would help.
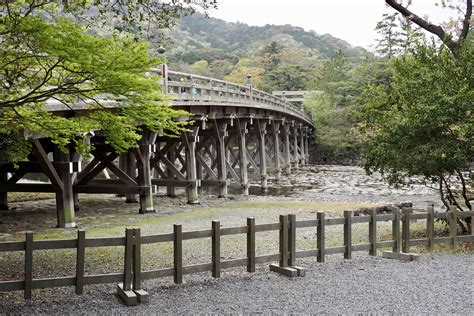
(133, 276)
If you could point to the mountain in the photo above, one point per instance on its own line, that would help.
(198, 38)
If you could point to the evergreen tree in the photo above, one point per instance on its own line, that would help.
(388, 45)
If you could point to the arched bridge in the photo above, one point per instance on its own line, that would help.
(238, 133)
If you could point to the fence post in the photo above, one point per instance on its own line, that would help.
(396, 231)
(251, 244)
(453, 227)
(125, 290)
(373, 233)
(348, 234)
(216, 249)
(80, 258)
(178, 253)
(283, 241)
(406, 230)
(320, 241)
(292, 240)
(430, 227)
(28, 265)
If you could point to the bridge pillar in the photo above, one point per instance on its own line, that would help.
(220, 133)
(302, 147)
(262, 125)
(3, 195)
(130, 166)
(171, 155)
(306, 143)
(286, 147)
(144, 175)
(295, 147)
(243, 159)
(189, 140)
(276, 149)
(63, 177)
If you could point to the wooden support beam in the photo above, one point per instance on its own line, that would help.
(143, 154)
(295, 147)
(189, 141)
(276, 150)
(286, 147)
(3, 195)
(220, 129)
(130, 167)
(302, 147)
(65, 195)
(46, 164)
(262, 125)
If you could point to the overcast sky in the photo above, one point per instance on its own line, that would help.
(350, 20)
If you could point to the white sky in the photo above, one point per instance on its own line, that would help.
(353, 21)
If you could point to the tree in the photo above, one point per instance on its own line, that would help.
(453, 40)
(388, 44)
(46, 57)
(287, 77)
(421, 122)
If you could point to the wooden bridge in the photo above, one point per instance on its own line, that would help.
(238, 132)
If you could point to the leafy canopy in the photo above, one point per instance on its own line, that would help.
(48, 60)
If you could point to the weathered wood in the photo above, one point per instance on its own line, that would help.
(373, 233)
(321, 237)
(251, 244)
(65, 194)
(243, 161)
(286, 147)
(283, 241)
(396, 231)
(128, 260)
(80, 261)
(220, 131)
(216, 249)
(292, 239)
(276, 149)
(137, 260)
(178, 253)
(189, 140)
(262, 158)
(3, 195)
(348, 235)
(28, 265)
(453, 226)
(430, 227)
(400, 256)
(406, 230)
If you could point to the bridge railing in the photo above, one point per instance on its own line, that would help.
(185, 87)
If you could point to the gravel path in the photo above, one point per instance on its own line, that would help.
(440, 283)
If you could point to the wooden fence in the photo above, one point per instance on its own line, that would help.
(133, 276)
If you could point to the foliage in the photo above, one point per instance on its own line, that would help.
(421, 122)
(286, 77)
(47, 60)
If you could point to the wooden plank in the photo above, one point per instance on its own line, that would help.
(430, 228)
(28, 265)
(197, 268)
(416, 216)
(419, 242)
(12, 246)
(267, 227)
(334, 221)
(361, 219)
(321, 237)
(152, 239)
(53, 282)
(396, 231)
(156, 274)
(292, 239)
(216, 249)
(54, 244)
(128, 260)
(439, 215)
(27, 187)
(80, 261)
(226, 264)
(334, 250)
(385, 244)
(307, 253)
(178, 254)
(383, 217)
(234, 230)
(307, 223)
(442, 240)
(466, 238)
(406, 230)
(348, 235)
(137, 260)
(267, 258)
(373, 233)
(360, 247)
(197, 234)
(465, 214)
(251, 244)
(103, 278)
(9, 286)
(105, 242)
